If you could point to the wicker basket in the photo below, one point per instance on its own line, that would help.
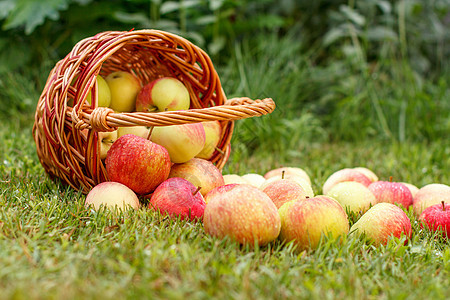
(66, 136)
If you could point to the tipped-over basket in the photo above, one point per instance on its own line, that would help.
(66, 126)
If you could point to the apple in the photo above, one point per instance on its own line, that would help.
(183, 142)
(220, 189)
(437, 218)
(242, 213)
(412, 188)
(163, 94)
(141, 131)
(298, 179)
(138, 163)
(111, 195)
(429, 195)
(103, 93)
(382, 221)
(288, 171)
(234, 178)
(284, 190)
(369, 173)
(178, 198)
(346, 174)
(254, 179)
(353, 196)
(391, 192)
(106, 139)
(200, 172)
(306, 221)
(124, 88)
(213, 131)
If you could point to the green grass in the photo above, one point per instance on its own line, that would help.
(51, 247)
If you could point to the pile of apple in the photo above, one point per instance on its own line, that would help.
(168, 168)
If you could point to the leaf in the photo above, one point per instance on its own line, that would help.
(334, 34)
(172, 6)
(385, 6)
(381, 33)
(352, 15)
(5, 7)
(32, 13)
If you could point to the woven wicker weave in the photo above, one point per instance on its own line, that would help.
(66, 136)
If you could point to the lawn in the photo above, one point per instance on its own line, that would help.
(52, 247)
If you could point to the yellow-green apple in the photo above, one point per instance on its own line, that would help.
(103, 93)
(369, 173)
(163, 94)
(213, 131)
(106, 139)
(141, 131)
(112, 195)
(234, 178)
(138, 163)
(353, 196)
(306, 221)
(288, 171)
(284, 190)
(381, 222)
(429, 195)
(242, 213)
(391, 192)
(254, 179)
(298, 179)
(412, 188)
(200, 172)
(183, 141)
(124, 88)
(178, 198)
(346, 174)
(437, 218)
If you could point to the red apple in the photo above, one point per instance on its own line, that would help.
(391, 192)
(284, 190)
(298, 179)
(163, 94)
(305, 221)
(138, 163)
(286, 171)
(183, 142)
(346, 174)
(177, 197)
(199, 172)
(381, 222)
(437, 218)
(112, 195)
(429, 195)
(218, 190)
(412, 188)
(243, 213)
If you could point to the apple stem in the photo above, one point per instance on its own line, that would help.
(282, 174)
(150, 132)
(390, 178)
(196, 191)
(220, 150)
(153, 109)
(443, 205)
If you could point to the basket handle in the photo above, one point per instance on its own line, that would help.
(105, 119)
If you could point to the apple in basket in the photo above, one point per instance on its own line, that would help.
(163, 94)
(141, 131)
(106, 140)
(124, 89)
(103, 93)
(183, 142)
(112, 195)
(213, 130)
(178, 198)
(137, 163)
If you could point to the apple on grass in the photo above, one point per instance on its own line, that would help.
(163, 94)
(234, 178)
(369, 173)
(183, 142)
(391, 192)
(124, 89)
(381, 222)
(306, 221)
(242, 213)
(429, 195)
(112, 195)
(178, 198)
(254, 179)
(353, 196)
(437, 218)
(200, 172)
(412, 188)
(346, 174)
(298, 179)
(141, 131)
(106, 139)
(213, 131)
(138, 163)
(284, 190)
(288, 171)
